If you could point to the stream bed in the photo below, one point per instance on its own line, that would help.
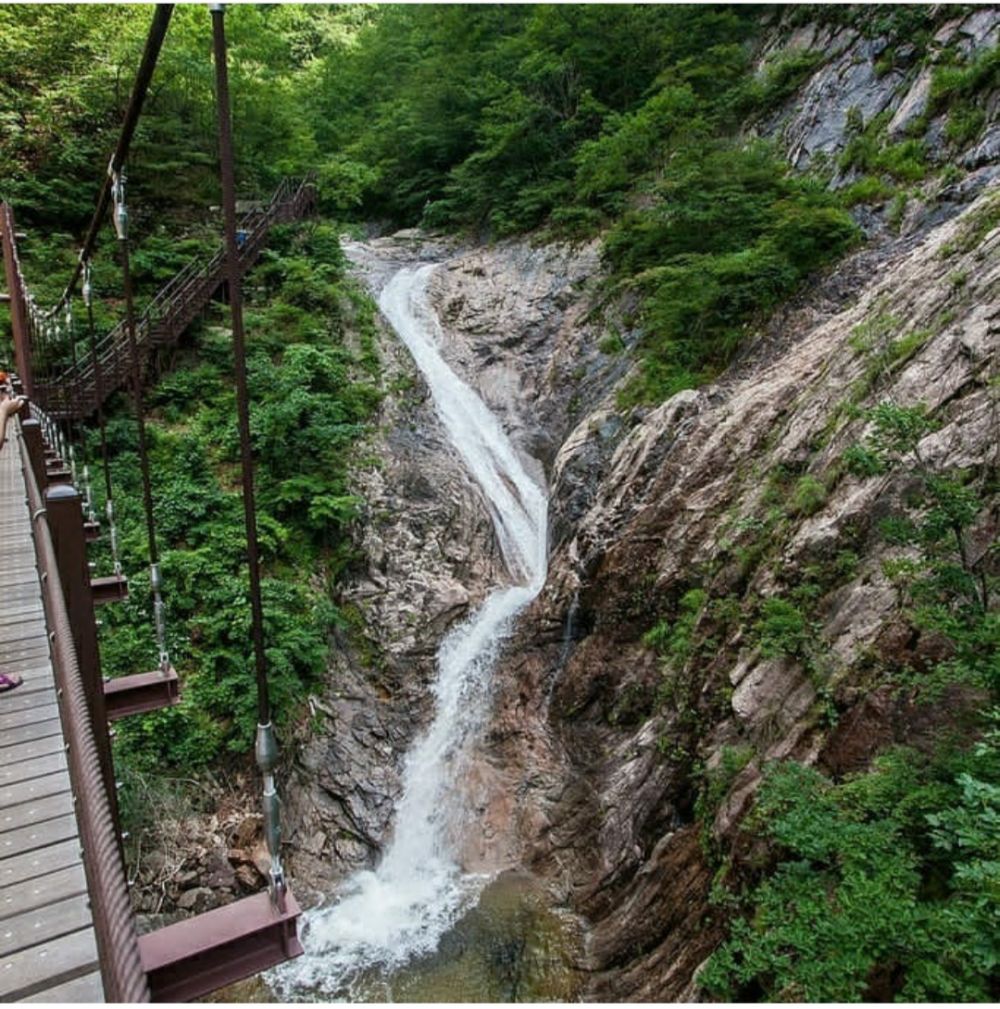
(509, 947)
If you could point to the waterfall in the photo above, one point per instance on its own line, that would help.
(383, 918)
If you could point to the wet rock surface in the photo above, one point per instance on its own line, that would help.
(509, 326)
(584, 777)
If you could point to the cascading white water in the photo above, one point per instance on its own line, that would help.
(401, 910)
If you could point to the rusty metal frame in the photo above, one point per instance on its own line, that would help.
(59, 474)
(118, 944)
(141, 692)
(109, 589)
(193, 957)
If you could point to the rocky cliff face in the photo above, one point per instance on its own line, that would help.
(597, 749)
(607, 798)
(863, 76)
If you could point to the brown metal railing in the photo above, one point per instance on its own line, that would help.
(122, 970)
(73, 393)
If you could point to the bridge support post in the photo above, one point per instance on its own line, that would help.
(187, 960)
(18, 313)
(64, 510)
(31, 432)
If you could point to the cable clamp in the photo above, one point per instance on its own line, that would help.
(121, 211)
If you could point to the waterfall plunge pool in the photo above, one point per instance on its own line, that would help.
(510, 947)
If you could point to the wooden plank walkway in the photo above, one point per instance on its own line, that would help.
(47, 947)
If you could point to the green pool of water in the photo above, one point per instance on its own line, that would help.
(511, 947)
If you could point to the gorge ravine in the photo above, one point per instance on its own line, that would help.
(584, 778)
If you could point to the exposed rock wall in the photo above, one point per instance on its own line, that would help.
(863, 77)
(591, 766)
(511, 322)
(604, 768)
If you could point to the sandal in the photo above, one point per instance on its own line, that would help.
(8, 682)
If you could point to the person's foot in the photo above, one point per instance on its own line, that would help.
(8, 682)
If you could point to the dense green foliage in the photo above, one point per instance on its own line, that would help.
(584, 117)
(474, 115)
(626, 119)
(626, 122)
(65, 75)
(494, 118)
(886, 882)
(731, 235)
(312, 393)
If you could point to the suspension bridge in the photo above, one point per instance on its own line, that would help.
(67, 929)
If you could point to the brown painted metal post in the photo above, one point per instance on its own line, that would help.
(187, 960)
(31, 432)
(107, 885)
(266, 750)
(64, 510)
(18, 315)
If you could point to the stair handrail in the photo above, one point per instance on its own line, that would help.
(290, 192)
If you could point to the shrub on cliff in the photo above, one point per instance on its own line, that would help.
(731, 235)
(885, 885)
(311, 398)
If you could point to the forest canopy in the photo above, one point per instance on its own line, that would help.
(490, 119)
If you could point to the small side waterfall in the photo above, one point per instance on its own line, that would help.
(400, 910)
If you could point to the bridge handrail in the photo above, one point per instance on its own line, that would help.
(114, 926)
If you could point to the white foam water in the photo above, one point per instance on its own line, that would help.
(383, 918)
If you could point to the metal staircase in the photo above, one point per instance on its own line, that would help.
(74, 393)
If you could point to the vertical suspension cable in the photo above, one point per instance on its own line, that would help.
(150, 54)
(76, 420)
(109, 507)
(121, 229)
(70, 399)
(266, 749)
(42, 342)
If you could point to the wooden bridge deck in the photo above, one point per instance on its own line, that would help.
(48, 951)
